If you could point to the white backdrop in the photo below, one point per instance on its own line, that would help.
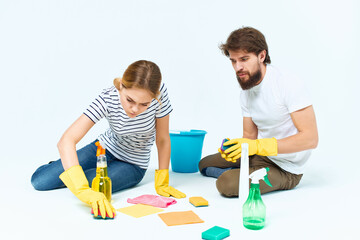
(56, 56)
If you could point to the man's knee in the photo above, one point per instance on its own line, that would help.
(202, 164)
(214, 160)
(228, 183)
(206, 162)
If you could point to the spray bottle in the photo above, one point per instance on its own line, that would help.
(101, 183)
(254, 210)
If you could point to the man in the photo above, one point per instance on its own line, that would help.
(278, 119)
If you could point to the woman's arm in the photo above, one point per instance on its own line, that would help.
(74, 177)
(68, 141)
(163, 141)
(164, 148)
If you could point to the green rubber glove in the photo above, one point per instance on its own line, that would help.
(162, 185)
(262, 147)
(75, 180)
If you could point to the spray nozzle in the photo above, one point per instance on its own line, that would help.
(260, 174)
(100, 150)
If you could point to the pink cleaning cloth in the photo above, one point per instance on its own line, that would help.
(153, 200)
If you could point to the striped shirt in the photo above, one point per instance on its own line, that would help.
(128, 139)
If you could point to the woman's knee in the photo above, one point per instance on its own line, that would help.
(124, 175)
(39, 182)
(46, 177)
(36, 182)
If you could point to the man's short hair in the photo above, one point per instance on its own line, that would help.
(247, 39)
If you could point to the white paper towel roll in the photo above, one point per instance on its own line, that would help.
(244, 174)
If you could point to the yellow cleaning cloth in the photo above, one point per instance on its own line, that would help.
(198, 201)
(180, 218)
(139, 210)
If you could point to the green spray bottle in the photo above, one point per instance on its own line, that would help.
(254, 210)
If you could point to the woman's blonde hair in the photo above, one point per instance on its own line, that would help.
(141, 74)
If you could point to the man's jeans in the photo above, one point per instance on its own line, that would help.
(123, 175)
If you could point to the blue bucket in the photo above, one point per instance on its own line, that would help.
(186, 148)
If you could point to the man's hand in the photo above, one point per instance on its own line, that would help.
(263, 147)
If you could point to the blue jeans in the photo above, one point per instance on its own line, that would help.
(123, 175)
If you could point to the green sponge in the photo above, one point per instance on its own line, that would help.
(215, 233)
(99, 215)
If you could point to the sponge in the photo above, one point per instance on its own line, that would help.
(222, 147)
(215, 233)
(99, 215)
(198, 201)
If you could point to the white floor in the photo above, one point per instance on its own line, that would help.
(321, 207)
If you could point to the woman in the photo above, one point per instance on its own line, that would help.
(137, 108)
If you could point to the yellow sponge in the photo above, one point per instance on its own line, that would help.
(198, 201)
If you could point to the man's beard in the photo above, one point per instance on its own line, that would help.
(251, 82)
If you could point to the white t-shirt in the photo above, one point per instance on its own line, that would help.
(269, 104)
(128, 139)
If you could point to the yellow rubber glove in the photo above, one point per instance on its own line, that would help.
(162, 185)
(262, 147)
(74, 178)
(225, 156)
